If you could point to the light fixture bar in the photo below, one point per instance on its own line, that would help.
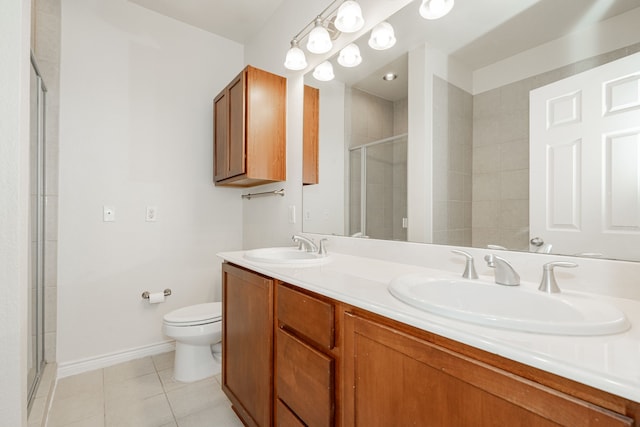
(307, 28)
(295, 56)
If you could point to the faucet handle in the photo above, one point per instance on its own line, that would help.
(322, 250)
(469, 268)
(548, 283)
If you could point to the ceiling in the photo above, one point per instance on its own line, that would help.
(476, 33)
(236, 20)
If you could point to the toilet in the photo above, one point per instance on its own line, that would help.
(197, 330)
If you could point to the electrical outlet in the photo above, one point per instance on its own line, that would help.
(152, 214)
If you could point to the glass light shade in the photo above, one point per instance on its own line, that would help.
(350, 56)
(295, 59)
(319, 40)
(324, 72)
(349, 18)
(382, 36)
(434, 9)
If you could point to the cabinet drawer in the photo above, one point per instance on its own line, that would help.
(305, 380)
(286, 418)
(306, 315)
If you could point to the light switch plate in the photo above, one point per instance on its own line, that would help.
(152, 214)
(292, 214)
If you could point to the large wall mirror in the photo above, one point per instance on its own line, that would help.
(504, 125)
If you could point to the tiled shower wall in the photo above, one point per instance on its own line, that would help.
(452, 147)
(371, 118)
(501, 155)
(46, 47)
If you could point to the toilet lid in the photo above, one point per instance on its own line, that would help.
(195, 313)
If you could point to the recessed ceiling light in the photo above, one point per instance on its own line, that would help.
(389, 76)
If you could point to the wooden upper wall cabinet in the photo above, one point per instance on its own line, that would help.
(310, 129)
(249, 133)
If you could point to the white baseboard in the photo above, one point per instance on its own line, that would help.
(90, 364)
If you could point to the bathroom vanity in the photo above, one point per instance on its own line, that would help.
(327, 345)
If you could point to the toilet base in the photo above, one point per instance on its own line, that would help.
(194, 362)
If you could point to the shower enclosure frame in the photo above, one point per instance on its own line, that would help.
(36, 360)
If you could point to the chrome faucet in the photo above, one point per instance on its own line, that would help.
(548, 283)
(505, 274)
(304, 243)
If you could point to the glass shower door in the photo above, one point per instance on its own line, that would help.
(36, 234)
(378, 189)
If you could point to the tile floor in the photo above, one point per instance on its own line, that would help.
(140, 393)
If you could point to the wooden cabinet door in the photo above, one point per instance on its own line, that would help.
(395, 379)
(221, 136)
(310, 135)
(229, 125)
(266, 126)
(237, 119)
(247, 344)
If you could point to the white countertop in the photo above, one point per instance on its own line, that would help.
(610, 362)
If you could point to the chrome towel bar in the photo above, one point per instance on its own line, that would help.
(266, 193)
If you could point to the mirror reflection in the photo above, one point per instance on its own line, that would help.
(480, 139)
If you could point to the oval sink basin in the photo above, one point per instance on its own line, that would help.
(286, 255)
(510, 307)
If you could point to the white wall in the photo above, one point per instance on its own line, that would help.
(420, 147)
(14, 213)
(136, 131)
(324, 203)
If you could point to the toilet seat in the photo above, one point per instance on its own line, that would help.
(193, 315)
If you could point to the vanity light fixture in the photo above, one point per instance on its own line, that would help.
(295, 59)
(350, 56)
(389, 77)
(349, 18)
(340, 16)
(319, 38)
(324, 72)
(382, 36)
(435, 9)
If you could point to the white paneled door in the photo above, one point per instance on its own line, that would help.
(585, 162)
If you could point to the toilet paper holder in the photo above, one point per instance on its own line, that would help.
(145, 294)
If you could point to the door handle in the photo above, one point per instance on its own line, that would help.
(537, 241)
